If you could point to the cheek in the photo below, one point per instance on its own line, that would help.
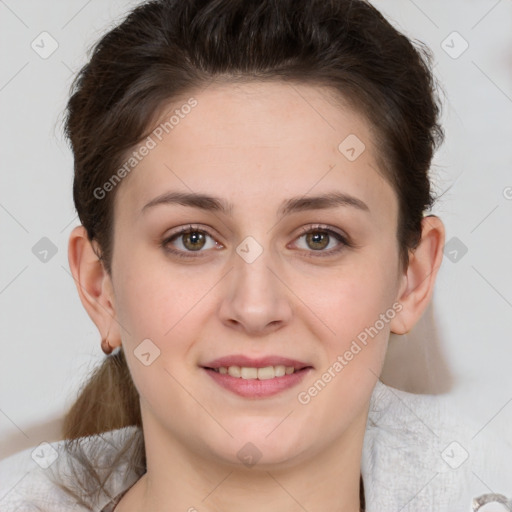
(359, 296)
(152, 297)
(156, 305)
(357, 306)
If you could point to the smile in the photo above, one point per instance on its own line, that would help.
(245, 372)
(257, 383)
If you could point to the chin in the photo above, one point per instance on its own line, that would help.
(258, 448)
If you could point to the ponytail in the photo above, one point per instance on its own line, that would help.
(107, 401)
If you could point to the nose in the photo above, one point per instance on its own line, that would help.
(256, 299)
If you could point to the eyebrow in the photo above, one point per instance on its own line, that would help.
(292, 205)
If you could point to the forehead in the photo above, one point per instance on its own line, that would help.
(255, 142)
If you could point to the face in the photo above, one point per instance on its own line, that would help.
(312, 287)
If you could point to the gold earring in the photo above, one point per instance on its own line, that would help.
(105, 346)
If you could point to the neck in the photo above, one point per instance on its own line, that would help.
(180, 480)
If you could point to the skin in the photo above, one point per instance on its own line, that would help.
(254, 145)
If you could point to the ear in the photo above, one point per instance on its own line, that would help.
(94, 285)
(420, 276)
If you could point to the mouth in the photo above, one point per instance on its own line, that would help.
(257, 378)
(252, 373)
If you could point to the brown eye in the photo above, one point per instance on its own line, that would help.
(318, 238)
(193, 240)
(187, 241)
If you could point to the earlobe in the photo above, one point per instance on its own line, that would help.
(94, 285)
(419, 278)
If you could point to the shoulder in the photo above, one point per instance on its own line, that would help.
(35, 479)
(420, 452)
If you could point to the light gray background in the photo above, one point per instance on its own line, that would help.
(461, 348)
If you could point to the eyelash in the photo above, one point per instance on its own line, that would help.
(310, 229)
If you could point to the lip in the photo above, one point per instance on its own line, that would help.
(262, 362)
(255, 388)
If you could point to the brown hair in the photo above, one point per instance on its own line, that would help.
(166, 48)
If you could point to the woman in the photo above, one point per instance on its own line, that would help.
(251, 180)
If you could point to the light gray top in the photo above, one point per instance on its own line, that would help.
(418, 455)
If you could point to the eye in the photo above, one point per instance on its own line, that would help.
(319, 237)
(191, 239)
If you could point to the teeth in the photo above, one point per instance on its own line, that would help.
(234, 371)
(244, 372)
